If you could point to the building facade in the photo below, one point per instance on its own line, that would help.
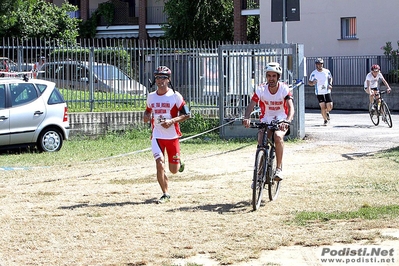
(143, 19)
(336, 27)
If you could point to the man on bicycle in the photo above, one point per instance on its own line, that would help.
(276, 103)
(371, 84)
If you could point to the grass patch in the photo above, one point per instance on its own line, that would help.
(391, 154)
(135, 143)
(365, 212)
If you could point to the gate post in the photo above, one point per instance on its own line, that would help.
(258, 55)
(298, 124)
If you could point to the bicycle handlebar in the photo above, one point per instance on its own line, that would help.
(272, 125)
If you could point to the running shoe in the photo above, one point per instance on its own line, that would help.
(325, 122)
(165, 198)
(181, 169)
(278, 176)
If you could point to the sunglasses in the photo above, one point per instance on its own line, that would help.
(161, 77)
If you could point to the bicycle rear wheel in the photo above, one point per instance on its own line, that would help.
(273, 185)
(386, 114)
(375, 118)
(258, 181)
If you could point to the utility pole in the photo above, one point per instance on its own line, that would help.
(284, 28)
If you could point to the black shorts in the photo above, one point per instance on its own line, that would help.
(374, 89)
(324, 98)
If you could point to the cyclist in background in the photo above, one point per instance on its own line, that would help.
(321, 78)
(276, 103)
(371, 84)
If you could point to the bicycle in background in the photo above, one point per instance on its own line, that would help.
(380, 110)
(265, 165)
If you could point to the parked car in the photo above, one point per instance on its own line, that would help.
(33, 113)
(76, 75)
(12, 66)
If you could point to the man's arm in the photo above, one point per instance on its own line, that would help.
(248, 112)
(291, 110)
(146, 116)
(180, 118)
(386, 84)
(312, 80)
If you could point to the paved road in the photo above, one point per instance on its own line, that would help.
(352, 127)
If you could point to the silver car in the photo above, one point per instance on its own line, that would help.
(77, 75)
(33, 113)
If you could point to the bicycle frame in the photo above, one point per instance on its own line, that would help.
(380, 109)
(265, 164)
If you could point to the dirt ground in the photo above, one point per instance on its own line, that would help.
(104, 212)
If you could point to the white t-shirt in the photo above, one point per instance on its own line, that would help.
(272, 106)
(163, 107)
(373, 80)
(322, 77)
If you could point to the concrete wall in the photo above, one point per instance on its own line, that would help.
(99, 123)
(352, 98)
(345, 98)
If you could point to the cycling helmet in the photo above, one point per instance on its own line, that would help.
(162, 70)
(274, 67)
(319, 61)
(375, 67)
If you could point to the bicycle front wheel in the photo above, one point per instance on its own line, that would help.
(273, 185)
(258, 181)
(375, 118)
(386, 114)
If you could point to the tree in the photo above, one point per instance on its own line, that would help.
(253, 30)
(207, 20)
(38, 19)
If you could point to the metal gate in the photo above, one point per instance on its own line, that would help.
(241, 69)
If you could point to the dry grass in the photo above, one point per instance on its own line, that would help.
(104, 213)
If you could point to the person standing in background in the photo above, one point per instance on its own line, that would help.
(38, 66)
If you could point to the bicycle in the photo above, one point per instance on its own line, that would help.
(265, 165)
(380, 109)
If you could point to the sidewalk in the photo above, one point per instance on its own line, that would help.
(349, 127)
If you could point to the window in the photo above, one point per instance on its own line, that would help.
(22, 93)
(56, 97)
(2, 97)
(348, 28)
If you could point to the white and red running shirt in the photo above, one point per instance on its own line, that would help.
(163, 107)
(272, 106)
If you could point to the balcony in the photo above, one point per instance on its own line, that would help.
(126, 22)
(128, 15)
(250, 7)
(250, 4)
(156, 15)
